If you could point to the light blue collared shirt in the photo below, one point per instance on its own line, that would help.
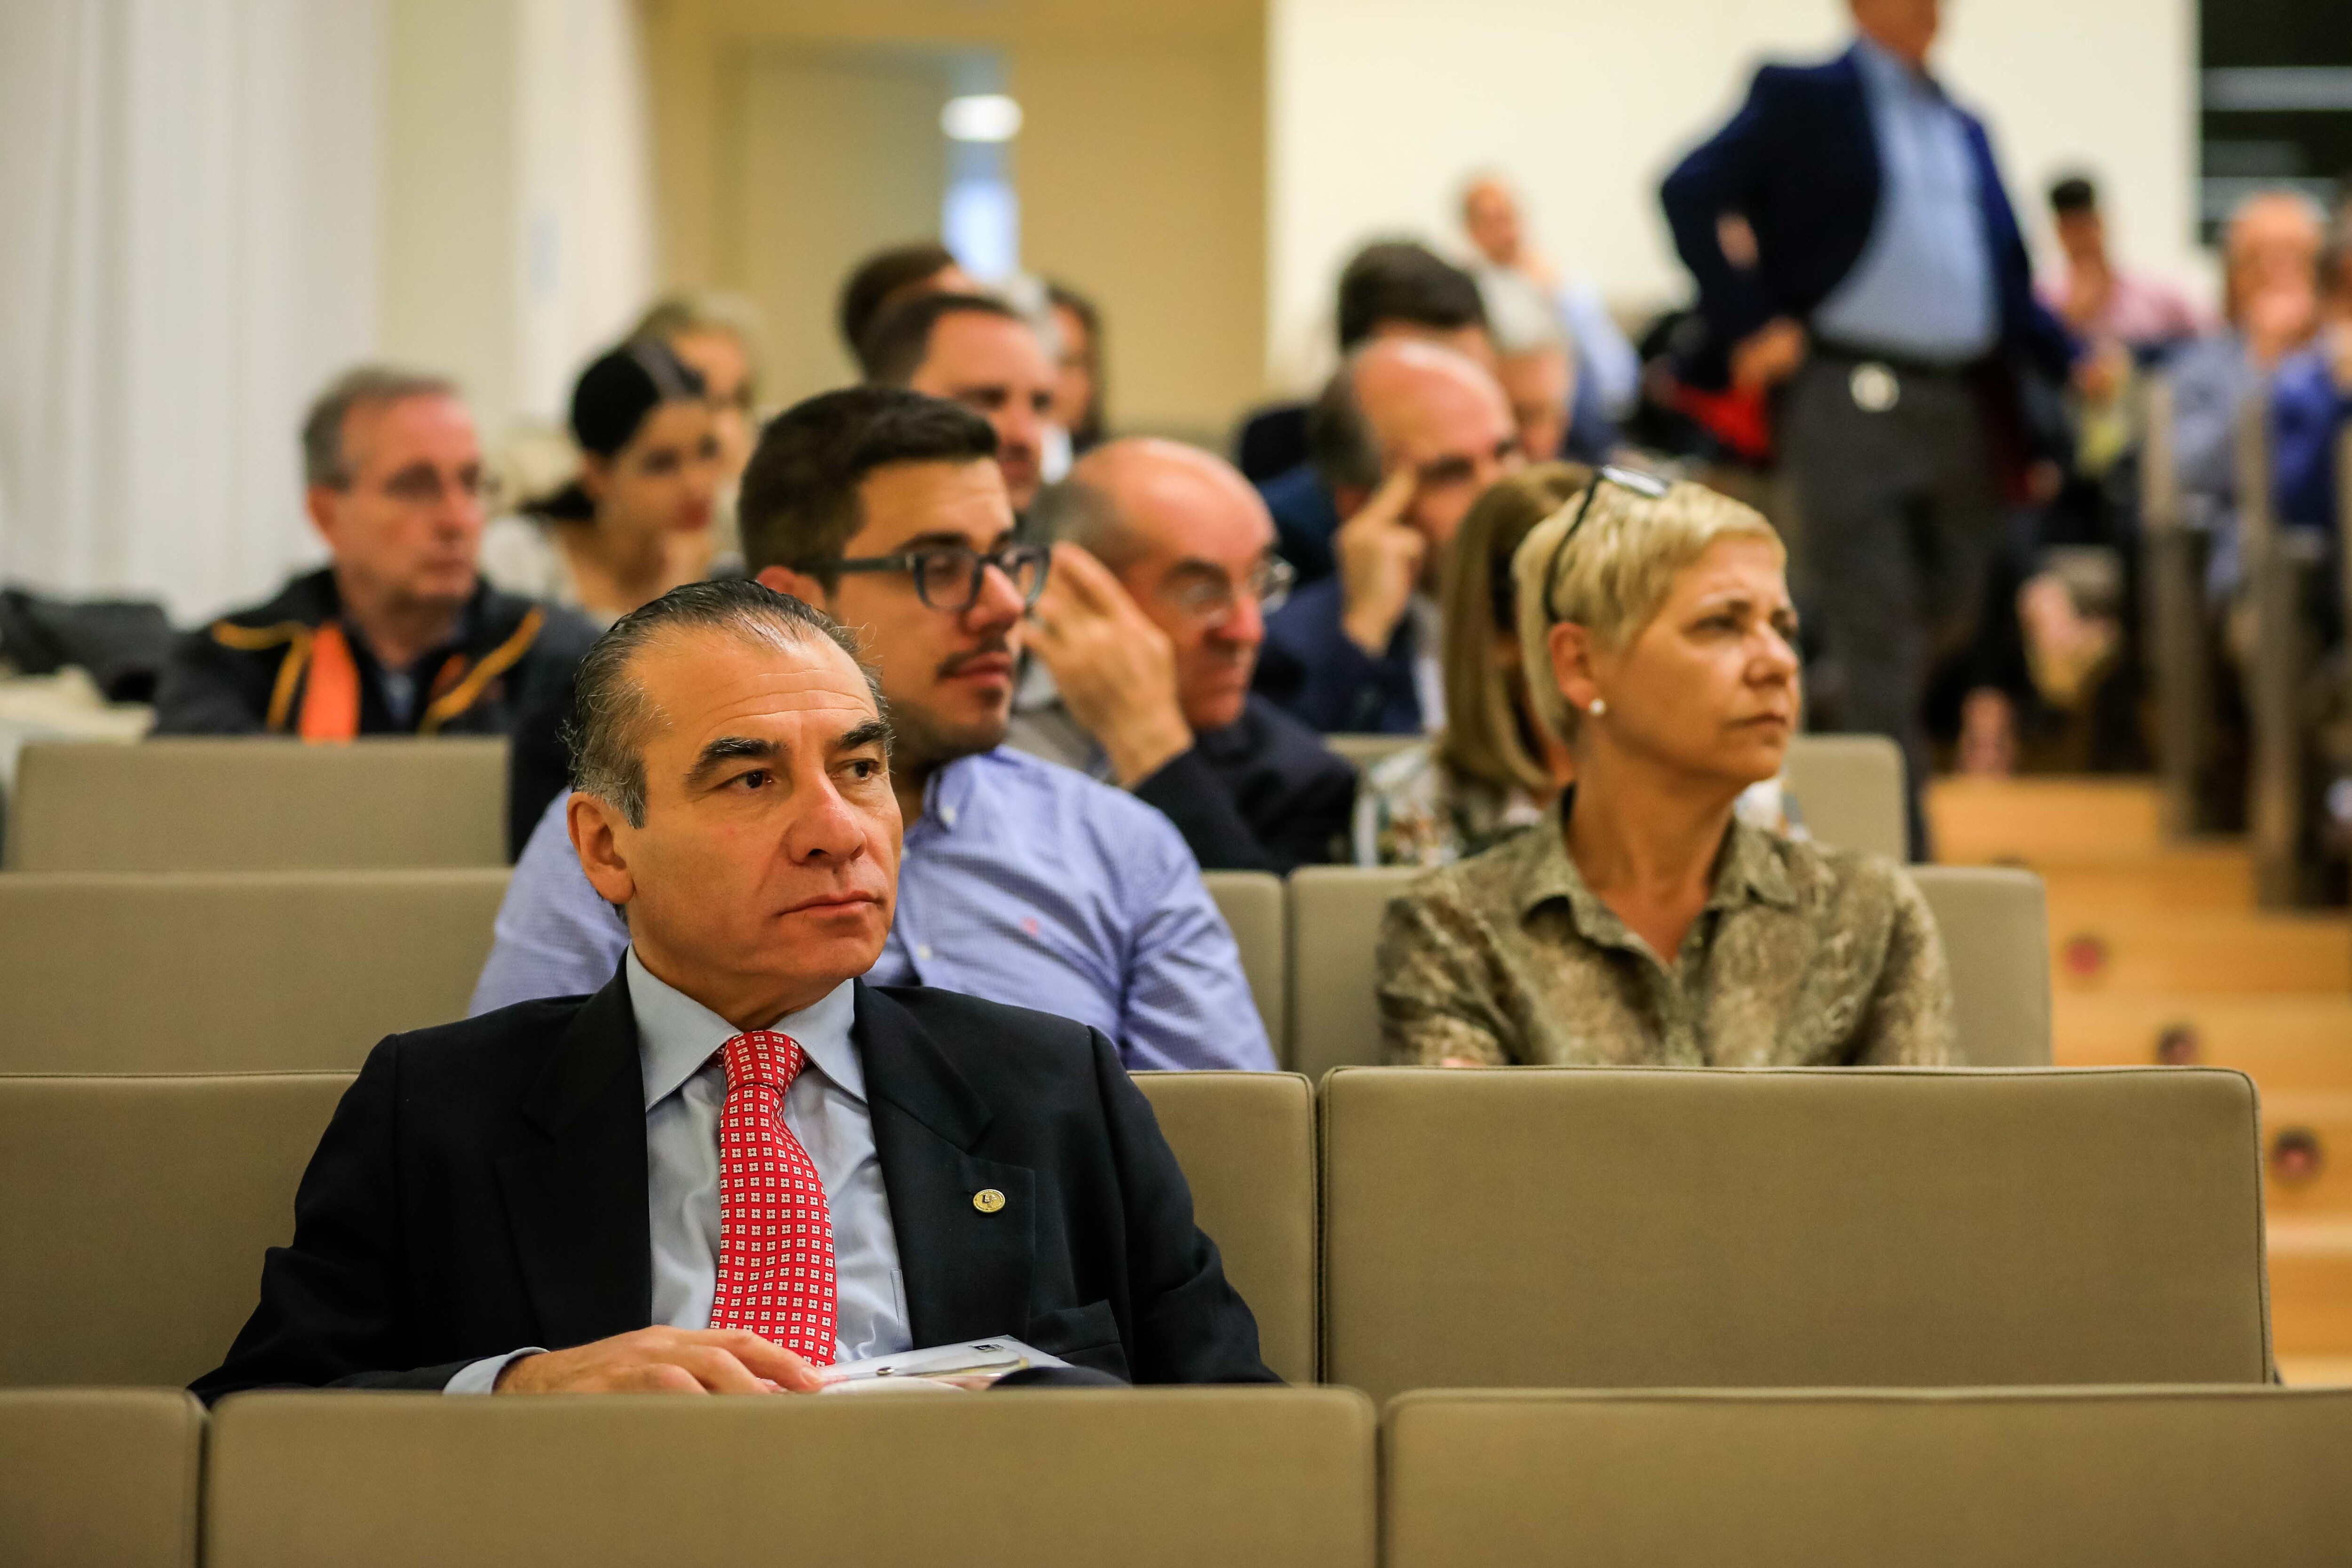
(1924, 287)
(679, 1046)
(1025, 882)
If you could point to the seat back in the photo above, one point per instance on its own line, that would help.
(1995, 926)
(1252, 903)
(133, 1214)
(1043, 1480)
(2093, 1479)
(90, 1475)
(233, 972)
(1335, 929)
(1246, 1141)
(1849, 792)
(254, 804)
(1367, 750)
(1677, 1227)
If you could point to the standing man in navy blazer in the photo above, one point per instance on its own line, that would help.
(1853, 251)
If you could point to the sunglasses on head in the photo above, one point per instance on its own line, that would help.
(1649, 487)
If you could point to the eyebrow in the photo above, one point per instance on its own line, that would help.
(873, 733)
(729, 749)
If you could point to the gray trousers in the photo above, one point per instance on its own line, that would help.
(1900, 516)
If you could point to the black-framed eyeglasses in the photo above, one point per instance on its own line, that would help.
(1212, 601)
(1650, 486)
(947, 577)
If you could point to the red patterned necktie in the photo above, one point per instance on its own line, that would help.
(775, 1234)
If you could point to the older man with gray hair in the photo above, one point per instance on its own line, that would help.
(397, 634)
(1145, 641)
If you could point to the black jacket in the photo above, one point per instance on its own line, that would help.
(233, 678)
(482, 1186)
(1264, 794)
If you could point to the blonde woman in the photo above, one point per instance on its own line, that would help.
(1496, 769)
(1643, 922)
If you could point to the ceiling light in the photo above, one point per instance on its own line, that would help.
(980, 117)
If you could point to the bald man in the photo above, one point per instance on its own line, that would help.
(1408, 434)
(1145, 640)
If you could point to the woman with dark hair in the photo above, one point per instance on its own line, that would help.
(635, 522)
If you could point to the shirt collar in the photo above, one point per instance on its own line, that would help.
(677, 1034)
(1881, 72)
(949, 794)
(1749, 870)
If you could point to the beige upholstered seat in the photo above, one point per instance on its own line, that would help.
(1692, 1228)
(133, 1214)
(1252, 903)
(1247, 1141)
(233, 972)
(1039, 1479)
(258, 806)
(2111, 1478)
(98, 1476)
(1992, 920)
(1995, 926)
(1849, 792)
(1367, 750)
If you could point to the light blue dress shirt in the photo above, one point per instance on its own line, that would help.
(1923, 288)
(679, 1046)
(1024, 882)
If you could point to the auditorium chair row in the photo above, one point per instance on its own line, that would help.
(1405, 1229)
(307, 970)
(1177, 1479)
(195, 805)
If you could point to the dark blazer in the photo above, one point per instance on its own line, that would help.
(1264, 794)
(482, 1187)
(1309, 667)
(234, 679)
(1799, 161)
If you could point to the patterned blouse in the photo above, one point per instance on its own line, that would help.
(1801, 957)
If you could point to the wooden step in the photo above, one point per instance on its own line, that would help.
(2224, 950)
(2311, 1286)
(2288, 1042)
(2038, 820)
(2315, 1371)
(2308, 1157)
(2221, 877)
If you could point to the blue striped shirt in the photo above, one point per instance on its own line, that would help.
(1023, 883)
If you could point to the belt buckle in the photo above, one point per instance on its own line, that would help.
(1873, 388)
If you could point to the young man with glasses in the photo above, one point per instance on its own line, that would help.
(398, 634)
(1021, 882)
(1145, 641)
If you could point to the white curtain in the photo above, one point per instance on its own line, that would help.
(187, 239)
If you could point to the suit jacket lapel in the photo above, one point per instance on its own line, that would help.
(967, 1271)
(576, 1202)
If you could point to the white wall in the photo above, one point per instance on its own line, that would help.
(1378, 108)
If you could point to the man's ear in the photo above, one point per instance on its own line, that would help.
(799, 585)
(319, 501)
(595, 839)
(1348, 500)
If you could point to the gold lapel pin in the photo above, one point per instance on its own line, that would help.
(988, 1200)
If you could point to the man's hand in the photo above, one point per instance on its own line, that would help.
(1116, 669)
(1769, 355)
(664, 1361)
(1380, 563)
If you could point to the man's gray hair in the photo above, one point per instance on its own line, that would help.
(611, 712)
(323, 459)
(1340, 440)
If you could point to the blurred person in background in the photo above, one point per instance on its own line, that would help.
(1644, 921)
(1077, 367)
(716, 336)
(635, 522)
(1495, 770)
(2103, 302)
(892, 276)
(1392, 289)
(398, 634)
(2311, 399)
(1143, 645)
(1533, 364)
(982, 354)
(1021, 882)
(1408, 434)
(1890, 302)
(1492, 217)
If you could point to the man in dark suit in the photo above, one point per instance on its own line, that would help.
(1145, 638)
(582, 1193)
(1854, 249)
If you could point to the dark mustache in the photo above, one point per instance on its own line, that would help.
(955, 663)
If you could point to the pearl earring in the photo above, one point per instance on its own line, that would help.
(1596, 707)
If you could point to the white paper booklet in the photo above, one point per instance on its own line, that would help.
(974, 1364)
